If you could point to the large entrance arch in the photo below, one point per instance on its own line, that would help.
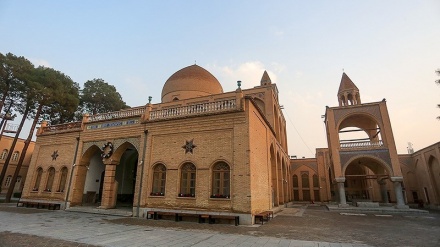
(274, 174)
(88, 182)
(434, 171)
(125, 175)
(367, 178)
(106, 181)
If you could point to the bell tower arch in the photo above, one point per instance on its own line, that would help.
(360, 135)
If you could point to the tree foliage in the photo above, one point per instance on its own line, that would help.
(59, 95)
(100, 97)
(37, 92)
(14, 74)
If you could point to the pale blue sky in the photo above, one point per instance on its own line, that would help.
(390, 49)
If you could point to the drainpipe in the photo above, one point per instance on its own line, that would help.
(142, 174)
(71, 173)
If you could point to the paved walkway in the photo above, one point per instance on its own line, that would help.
(97, 230)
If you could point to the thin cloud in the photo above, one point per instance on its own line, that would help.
(249, 73)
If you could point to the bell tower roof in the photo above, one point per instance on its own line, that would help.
(348, 93)
(346, 84)
(265, 79)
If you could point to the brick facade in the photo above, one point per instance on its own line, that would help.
(244, 129)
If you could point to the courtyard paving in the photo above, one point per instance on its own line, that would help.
(300, 225)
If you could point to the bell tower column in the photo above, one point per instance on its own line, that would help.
(398, 190)
(383, 189)
(341, 191)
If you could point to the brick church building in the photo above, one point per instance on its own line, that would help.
(202, 150)
(199, 150)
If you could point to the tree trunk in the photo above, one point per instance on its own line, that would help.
(4, 120)
(23, 155)
(11, 151)
(1, 108)
(5, 94)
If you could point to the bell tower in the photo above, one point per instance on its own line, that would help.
(364, 162)
(348, 93)
(265, 79)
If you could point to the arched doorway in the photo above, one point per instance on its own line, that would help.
(126, 176)
(434, 171)
(87, 184)
(367, 179)
(274, 176)
(92, 192)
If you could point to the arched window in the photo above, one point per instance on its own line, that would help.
(188, 180)
(159, 179)
(305, 180)
(221, 180)
(295, 181)
(315, 181)
(38, 179)
(63, 179)
(50, 178)
(4, 154)
(8, 181)
(15, 156)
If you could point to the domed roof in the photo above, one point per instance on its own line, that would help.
(190, 82)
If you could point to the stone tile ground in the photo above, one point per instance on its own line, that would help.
(300, 226)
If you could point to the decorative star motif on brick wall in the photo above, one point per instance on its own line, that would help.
(189, 146)
(55, 155)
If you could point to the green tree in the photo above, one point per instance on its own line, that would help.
(65, 103)
(16, 74)
(13, 71)
(100, 97)
(49, 90)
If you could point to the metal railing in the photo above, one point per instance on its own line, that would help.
(11, 128)
(362, 145)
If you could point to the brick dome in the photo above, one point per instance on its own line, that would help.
(190, 82)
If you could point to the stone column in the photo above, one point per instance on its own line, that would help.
(383, 190)
(146, 116)
(239, 98)
(108, 190)
(341, 192)
(398, 190)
